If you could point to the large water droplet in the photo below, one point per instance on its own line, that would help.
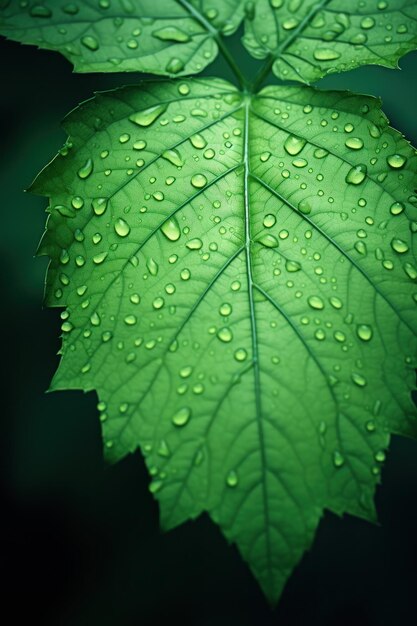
(326, 54)
(269, 220)
(174, 157)
(399, 246)
(268, 240)
(316, 302)
(354, 143)
(199, 181)
(364, 332)
(86, 169)
(181, 417)
(194, 244)
(293, 145)
(121, 227)
(357, 175)
(396, 161)
(148, 116)
(171, 229)
(225, 335)
(171, 33)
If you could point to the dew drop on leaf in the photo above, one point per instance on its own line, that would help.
(182, 416)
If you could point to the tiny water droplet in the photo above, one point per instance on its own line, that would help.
(232, 479)
(338, 459)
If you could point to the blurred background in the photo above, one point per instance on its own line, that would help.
(81, 544)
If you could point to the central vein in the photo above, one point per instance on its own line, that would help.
(254, 334)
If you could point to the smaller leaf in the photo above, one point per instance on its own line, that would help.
(308, 39)
(166, 37)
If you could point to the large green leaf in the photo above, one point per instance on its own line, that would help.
(308, 39)
(169, 37)
(240, 289)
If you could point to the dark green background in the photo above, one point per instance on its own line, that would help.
(81, 540)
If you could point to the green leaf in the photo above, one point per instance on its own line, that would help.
(308, 39)
(239, 276)
(168, 37)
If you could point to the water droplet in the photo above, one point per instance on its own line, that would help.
(194, 244)
(265, 157)
(181, 417)
(338, 459)
(292, 266)
(268, 240)
(367, 23)
(397, 208)
(358, 379)
(380, 456)
(370, 426)
(335, 302)
(171, 229)
(316, 303)
(269, 220)
(163, 449)
(410, 270)
(155, 486)
(354, 143)
(185, 274)
(225, 334)
(99, 258)
(399, 246)
(293, 145)
(158, 303)
(121, 227)
(90, 42)
(95, 319)
(198, 141)
(300, 163)
(184, 89)
(326, 54)
(199, 181)
(86, 169)
(225, 309)
(174, 66)
(396, 161)
(152, 266)
(130, 320)
(38, 10)
(99, 205)
(209, 153)
(148, 116)
(357, 175)
(232, 479)
(171, 33)
(139, 145)
(174, 157)
(364, 332)
(241, 354)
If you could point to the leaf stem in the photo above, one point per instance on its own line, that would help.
(263, 73)
(243, 83)
(219, 40)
